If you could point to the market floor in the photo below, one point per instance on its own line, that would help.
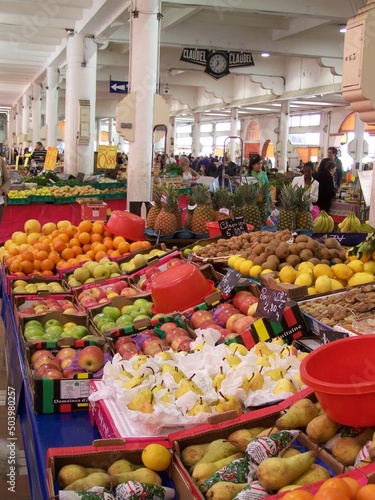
(22, 491)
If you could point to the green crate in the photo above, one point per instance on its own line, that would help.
(112, 196)
(108, 185)
(41, 199)
(18, 201)
(64, 200)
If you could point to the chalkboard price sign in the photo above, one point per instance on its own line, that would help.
(229, 281)
(327, 336)
(271, 303)
(233, 227)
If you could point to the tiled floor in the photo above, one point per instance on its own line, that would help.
(22, 491)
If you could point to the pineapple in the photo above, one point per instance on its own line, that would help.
(245, 200)
(287, 215)
(155, 209)
(263, 195)
(167, 221)
(304, 218)
(203, 212)
(223, 199)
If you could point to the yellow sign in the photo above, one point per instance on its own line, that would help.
(17, 160)
(51, 158)
(106, 157)
(26, 160)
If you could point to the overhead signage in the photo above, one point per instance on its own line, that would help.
(118, 87)
(217, 62)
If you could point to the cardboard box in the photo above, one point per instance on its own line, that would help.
(105, 285)
(102, 454)
(11, 279)
(61, 395)
(25, 302)
(92, 209)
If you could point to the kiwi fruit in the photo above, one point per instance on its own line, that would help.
(314, 261)
(258, 261)
(325, 261)
(274, 258)
(293, 260)
(293, 249)
(313, 245)
(283, 264)
(332, 243)
(258, 249)
(302, 238)
(306, 255)
(282, 251)
(301, 245)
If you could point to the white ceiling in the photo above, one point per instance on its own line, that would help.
(33, 36)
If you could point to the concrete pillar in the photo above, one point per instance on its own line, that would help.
(52, 100)
(144, 66)
(233, 144)
(12, 138)
(98, 123)
(359, 135)
(196, 146)
(80, 97)
(36, 112)
(171, 135)
(25, 113)
(18, 121)
(284, 135)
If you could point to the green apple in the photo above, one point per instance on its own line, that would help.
(51, 336)
(34, 322)
(101, 322)
(124, 320)
(107, 326)
(33, 334)
(52, 322)
(186, 252)
(54, 330)
(98, 317)
(143, 303)
(141, 316)
(101, 271)
(104, 260)
(128, 309)
(111, 311)
(76, 332)
(81, 274)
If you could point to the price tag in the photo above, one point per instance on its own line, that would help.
(271, 304)
(51, 158)
(229, 281)
(233, 227)
(327, 336)
(106, 156)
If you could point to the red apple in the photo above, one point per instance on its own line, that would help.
(128, 292)
(104, 300)
(89, 302)
(120, 285)
(172, 334)
(27, 311)
(153, 346)
(166, 327)
(52, 373)
(199, 317)
(242, 324)
(65, 352)
(123, 340)
(98, 293)
(70, 373)
(46, 358)
(71, 310)
(252, 309)
(55, 308)
(177, 341)
(239, 296)
(64, 364)
(210, 323)
(91, 358)
(127, 351)
(35, 355)
(224, 314)
(231, 320)
(46, 366)
(151, 271)
(149, 333)
(246, 303)
(185, 345)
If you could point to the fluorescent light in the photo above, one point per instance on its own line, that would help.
(343, 29)
(265, 54)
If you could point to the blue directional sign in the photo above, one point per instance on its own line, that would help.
(118, 87)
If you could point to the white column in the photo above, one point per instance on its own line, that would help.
(144, 65)
(110, 131)
(171, 135)
(233, 144)
(18, 121)
(284, 135)
(12, 139)
(196, 146)
(80, 86)
(25, 113)
(36, 111)
(52, 100)
(98, 132)
(359, 135)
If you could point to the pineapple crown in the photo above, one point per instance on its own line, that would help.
(303, 199)
(169, 198)
(288, 197)
(201, 195)
(222, 199)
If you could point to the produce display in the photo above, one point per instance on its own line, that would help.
(54, 329)
(350, 224)
(324, 223)
(25, 287)
(113, 317)
(91, 296)
(48, 304)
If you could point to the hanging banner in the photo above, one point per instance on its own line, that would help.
(51, 158)
(106, 157)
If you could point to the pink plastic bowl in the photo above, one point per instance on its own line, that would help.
(126, 224)
(342, 375)
(179, 288)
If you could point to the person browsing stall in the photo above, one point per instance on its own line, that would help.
(332, 156)
(307, 181)
(188, 174)
(39, 154)
(327, 190)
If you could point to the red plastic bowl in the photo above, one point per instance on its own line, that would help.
(214, 229)
(126, 224)
(179, 288)
(342, 374)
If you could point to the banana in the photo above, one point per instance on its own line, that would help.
(331, 224)
(319, 224)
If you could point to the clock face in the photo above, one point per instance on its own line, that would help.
(218, 63)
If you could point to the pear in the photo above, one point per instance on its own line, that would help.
(164, 355)
(346, 450)
(284, 385)
(275, 374)
(70, 473)
(91, 470)
(275, 472)
(120, 466)
(238, 348)
(192, 454)
(187, 385)
(216, 450)
(241, 438)
(96, 479)
(146, 407)
(205, 470)
(143, 475)
(133, 382)
(262, 361)
(299, 414)
(278, 341)
(223, 490)
(140, 398)
(290, 452)
(218, 379)
(261, 349)
(255, 382)
(158, 387)
(322, 428)
(141, 360)
(268, 431)
(233, 360)
(228, 403)
(314, 474)
(177, 374)
(199, 406)
(168, 397)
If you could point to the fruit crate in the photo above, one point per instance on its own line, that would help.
(108, 185)
(112, 196)
(41, 199)
(23, 304)
(18, 201)
(60, 200)
(33, 280)
(102, 454)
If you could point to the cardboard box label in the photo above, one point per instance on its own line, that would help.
(74, 389)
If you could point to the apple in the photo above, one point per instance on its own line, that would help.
(252, 309)
(101, 271)
(27, 311)
(128, 292)
(208, 324)
(239, 296)
(123, 341)
(199, 317)
(113, 312)
(151, 271)
(175, 332)
(55, 308)
(87, 303)
(71, 310)
(247, 302)
(35, 355)
(46, 359)
(175, 262)
(150, 333)
(153, 346)
(177, 341)
(81, 274)
(120, 285)
(224, 313)
(64, 364)
(65, 352)
(185, 345)
(169, 325)
(52, 373)
(70, 373)
(242, 324)
(52, 322)
(91, 358)
(231, 320)
(127, 351)
(97, 292)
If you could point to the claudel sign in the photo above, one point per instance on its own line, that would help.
(217, 62)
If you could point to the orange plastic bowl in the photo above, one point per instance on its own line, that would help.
(214, 228)
(179, 288)
(126, 224)
(342, 374)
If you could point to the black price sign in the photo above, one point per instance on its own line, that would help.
(327, 336)
(233, 227)
(229, 281)
(271, 303)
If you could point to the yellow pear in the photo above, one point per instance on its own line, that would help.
(322, 428)
(284, 385)
(228, 403)
(314, 474)
(70, 473)
(96, 479)
(238, 348)
(299, 414)
(216, 450)
(192, 454)
(261, 349)
(199, 406)
(218, 379)
(187, 385)
(143, 475)
(241, 438)
(223, 490)
(203, 471)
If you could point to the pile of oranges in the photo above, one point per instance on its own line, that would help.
(336, 488)
(41, 250)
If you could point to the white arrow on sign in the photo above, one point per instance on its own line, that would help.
(116, 87)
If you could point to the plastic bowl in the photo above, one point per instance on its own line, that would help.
(214, 228)
(126, 224)
(179, 288)
(342, 374)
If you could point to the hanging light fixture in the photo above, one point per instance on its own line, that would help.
(343, 28)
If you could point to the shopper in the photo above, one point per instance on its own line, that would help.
(39, 154)
(255, 170)
(332, 156)
(307, 181)
(188, 174)
(327, 190)
(4, 185)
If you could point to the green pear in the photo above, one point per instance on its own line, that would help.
(276, 374)
(289, 452)
(158, 387)
(176, 373)
(299, 414)
(346, 450)
(187, 385)
(313, 474)
(228, 403)
(241, 438)
(199, 406)
(223, 490)
(91, 470)
(168, 397)
(275, 472)
(204, 471)
(322, 428)
(254, 383)
(143, 475)
(261, 349)
(284, 385)
(70, 473)
(120, 466)
(192, 454)
(216, 450)
(96, 479)
(144, 395)
(218, 379)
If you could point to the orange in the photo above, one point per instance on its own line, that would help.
(98, 247)
(108, 234)
(338, 483)
(117, 240)
(67, 253)
(41, 255)
(15, 266)
(110, 251)
(85, 226)
(123, 247)
(298, 495)
(54, 256)
(115, 254)
(96, 237)
(72, 262)
(74, 242)
(99, 255)
(97, 227)
(86, 247)
(367, 492)
(145, 244)
(47, 272)
(108, 243)
(353, 484)
(27, 255)
(13, 250)
(77, 250)
(84, 237)
(65, 237)
(27, 267)
(37, 263)
(331, 493)
(91, 254)
(47, 265)
(136, 245)
(58, 244)
(71, 230)
(82, 258)
(42, 245)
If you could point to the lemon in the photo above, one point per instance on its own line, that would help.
(246, 266)
(323, 284)
(238, 263)
(156, 457)
(311, 290)
(357, 266)
(369, 267)
(360, 279)
(336, 285)
(288, 274)
(232, 259)
(305, 267)
(342, 271)
(322, 270)
(255, 271)
(304, 279)
(267, 271)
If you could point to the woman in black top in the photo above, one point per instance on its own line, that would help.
(326, 186)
